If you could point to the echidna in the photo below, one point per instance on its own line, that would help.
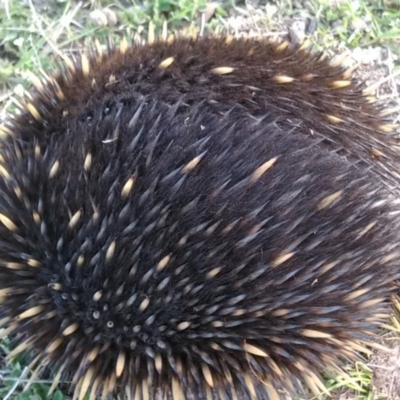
(216, 218)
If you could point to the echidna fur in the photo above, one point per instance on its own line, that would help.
(217, 217)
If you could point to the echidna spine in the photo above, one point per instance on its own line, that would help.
(208, 218)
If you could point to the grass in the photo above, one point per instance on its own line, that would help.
(360, 23)
(34, 34)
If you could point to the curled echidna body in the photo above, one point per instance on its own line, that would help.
(215, 217)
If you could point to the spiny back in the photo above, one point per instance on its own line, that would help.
(215, 215)
(259, 76)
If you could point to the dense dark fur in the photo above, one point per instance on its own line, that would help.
(208, 272)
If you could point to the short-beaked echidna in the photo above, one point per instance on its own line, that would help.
(217, 217)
